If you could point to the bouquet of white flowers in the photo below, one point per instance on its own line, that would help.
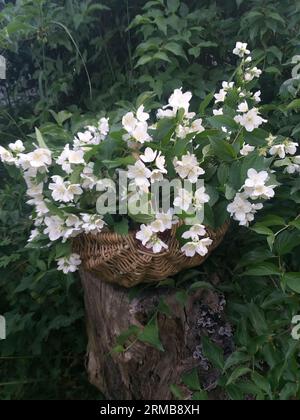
(148, 175)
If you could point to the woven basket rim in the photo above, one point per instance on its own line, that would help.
(130, 237)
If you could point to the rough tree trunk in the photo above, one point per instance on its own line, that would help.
(142, 372)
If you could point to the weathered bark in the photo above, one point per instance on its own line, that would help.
(142, 372)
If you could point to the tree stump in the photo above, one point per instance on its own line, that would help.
(143, 372)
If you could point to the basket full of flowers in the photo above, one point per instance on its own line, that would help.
(141, 195)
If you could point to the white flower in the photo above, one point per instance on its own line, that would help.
(139, 173)
(261, 191)
(73, 221)
(145, 234)
(250, 120)
(149, 155)
(40, 158)
(218, 111)
(278, 150)
(241, 49)
(17, 147)
(129, 122)
(140, 132)
(40, 204)
(156, 244)
(76, 157)
(69, 264)
(197, 126)
(255, 185)
(60, 191)
(243, 107)
(103, 127)
(88, 177)
(6, 156)
(150, 240)
(255, 178)
(35, 190)
(200, 198)
(184, 199)
(197, 247)
(163, 222)
(281, 150)
(55, 228)
(85, 138)
(242, 210)
(227, 85)
(182, 131)
(291, 148)
(221, 96)
(247, 149)
(166, 113)
(293, 168)
(141, 115)
(160, 163)
(252, 73)
(179, 100)
(156, 176)
(195, 232)
(33, 235)
(257, 96)
(92, 223)
(188, 167)
(64, 191)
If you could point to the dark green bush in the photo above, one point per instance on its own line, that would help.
(84, 57)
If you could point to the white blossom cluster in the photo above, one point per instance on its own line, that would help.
(57, 224)
(255, 188)
(58, 184)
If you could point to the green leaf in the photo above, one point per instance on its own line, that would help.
(182, 297)
(142, 218)
(258, 320)
(236, 374)
(150, 334)
(132, 331)
(176, 391)
(200, 396)
(207, 100)
(161, 56)
(262, 383)
(296, 224)
(263, 269)
(175, 48)
(40, 139)
(173, 5)
(213, 353)
(261, 229)
(286, 242)
(145, 59)
(191, 380)
(223, 173)
(144, 97)
(219, 121)
(293, 281)
(61, 117)
(273, 220)
(223, 150)
(122, 228)
(201, 285)
(294, 105)
(289, 390)
(236, 358)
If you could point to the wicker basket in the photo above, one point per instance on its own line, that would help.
(123, 260)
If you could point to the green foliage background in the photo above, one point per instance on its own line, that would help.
(84, 57)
